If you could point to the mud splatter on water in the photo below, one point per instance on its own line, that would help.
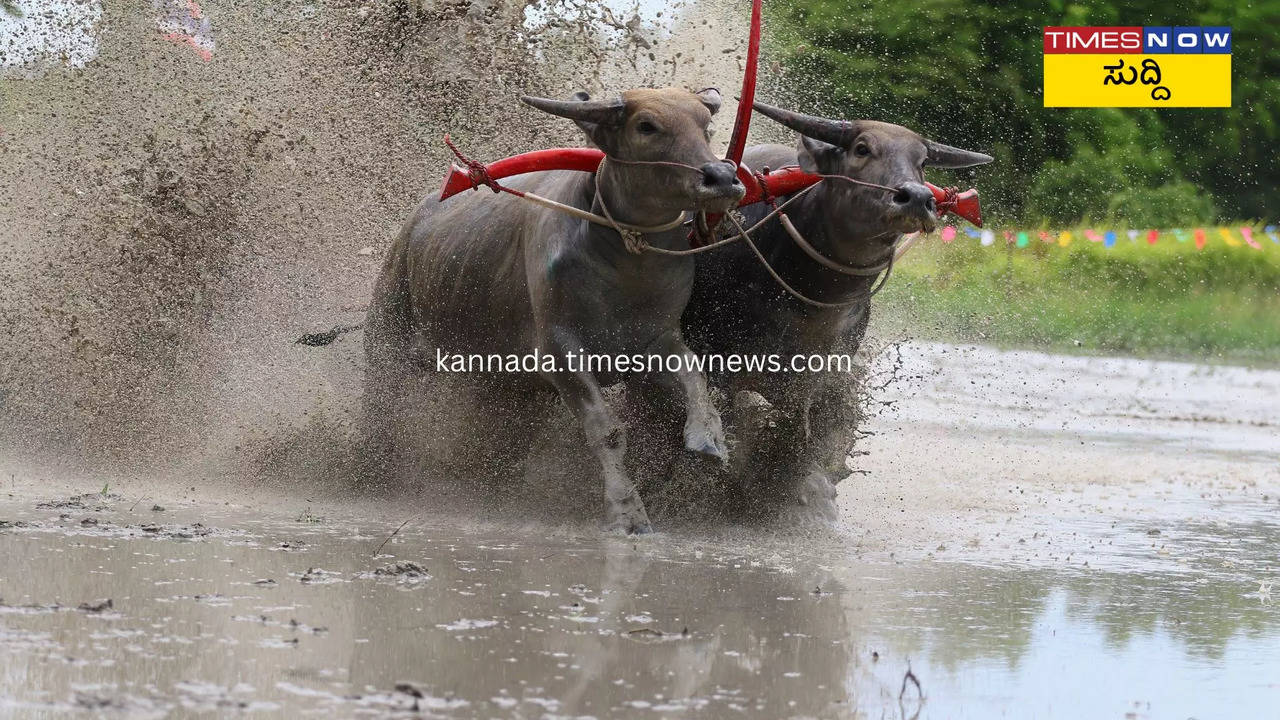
(170, 224)
(985, 555)
(513, 625)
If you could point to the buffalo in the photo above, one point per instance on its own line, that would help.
(490, 274)
(737, 307)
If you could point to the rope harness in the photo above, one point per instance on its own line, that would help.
(478, 175)
(633, 240)
(873, 270)
(632, 237)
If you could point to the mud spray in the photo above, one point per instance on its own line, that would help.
(171, 225)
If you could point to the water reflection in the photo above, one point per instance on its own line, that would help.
(601, 626)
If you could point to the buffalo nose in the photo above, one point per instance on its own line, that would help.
(719, 174)
(915, 196)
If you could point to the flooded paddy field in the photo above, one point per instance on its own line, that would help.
(981, 555)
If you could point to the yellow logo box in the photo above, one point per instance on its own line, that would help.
(1158, 80)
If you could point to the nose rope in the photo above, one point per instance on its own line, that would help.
(632, 238)
(855, 181)
(950, 195)
(844, 178)
(860, 297)
(667, 163)
(950, 199)
(863, 271)
(823, 260)
(478, 175)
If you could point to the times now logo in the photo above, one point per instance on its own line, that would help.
(1137, 40)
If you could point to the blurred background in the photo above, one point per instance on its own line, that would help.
(1073, 194)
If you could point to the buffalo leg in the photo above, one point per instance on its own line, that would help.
(607, 438)
(703, 432)
(653, 421)
(786, 460)
(780, 442)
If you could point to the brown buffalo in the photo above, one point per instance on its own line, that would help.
(491, 274)
(738, 308)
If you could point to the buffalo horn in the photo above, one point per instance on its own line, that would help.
(602, 112)
(834, 132)
(945, 156)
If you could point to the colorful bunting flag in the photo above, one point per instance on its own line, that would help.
(1231, 236)
(182, 22)
(1247, 233)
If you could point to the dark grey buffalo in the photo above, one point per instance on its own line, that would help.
(738, 308)
(490, 274)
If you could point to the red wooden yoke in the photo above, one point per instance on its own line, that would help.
(783, 181)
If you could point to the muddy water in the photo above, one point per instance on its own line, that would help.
(291, 618)
(1079, 570)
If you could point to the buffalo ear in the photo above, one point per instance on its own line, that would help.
(819, 158)
(710, 97)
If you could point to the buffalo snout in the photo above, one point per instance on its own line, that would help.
(915, 199)
(720, 189)
(719, 175)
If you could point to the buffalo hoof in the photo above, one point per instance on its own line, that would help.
(817, 495)
(629, 524)
(705, 441)
(628, 517)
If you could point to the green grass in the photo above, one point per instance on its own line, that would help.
(1167, 300)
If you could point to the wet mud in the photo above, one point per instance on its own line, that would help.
(989, 576)
(280, 618)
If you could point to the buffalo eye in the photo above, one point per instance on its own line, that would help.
(646, 128)
(862, 150)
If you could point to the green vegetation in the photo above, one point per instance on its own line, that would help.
(1169, 300)
(970, 74)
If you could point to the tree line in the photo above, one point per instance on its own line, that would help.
(970, 74)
